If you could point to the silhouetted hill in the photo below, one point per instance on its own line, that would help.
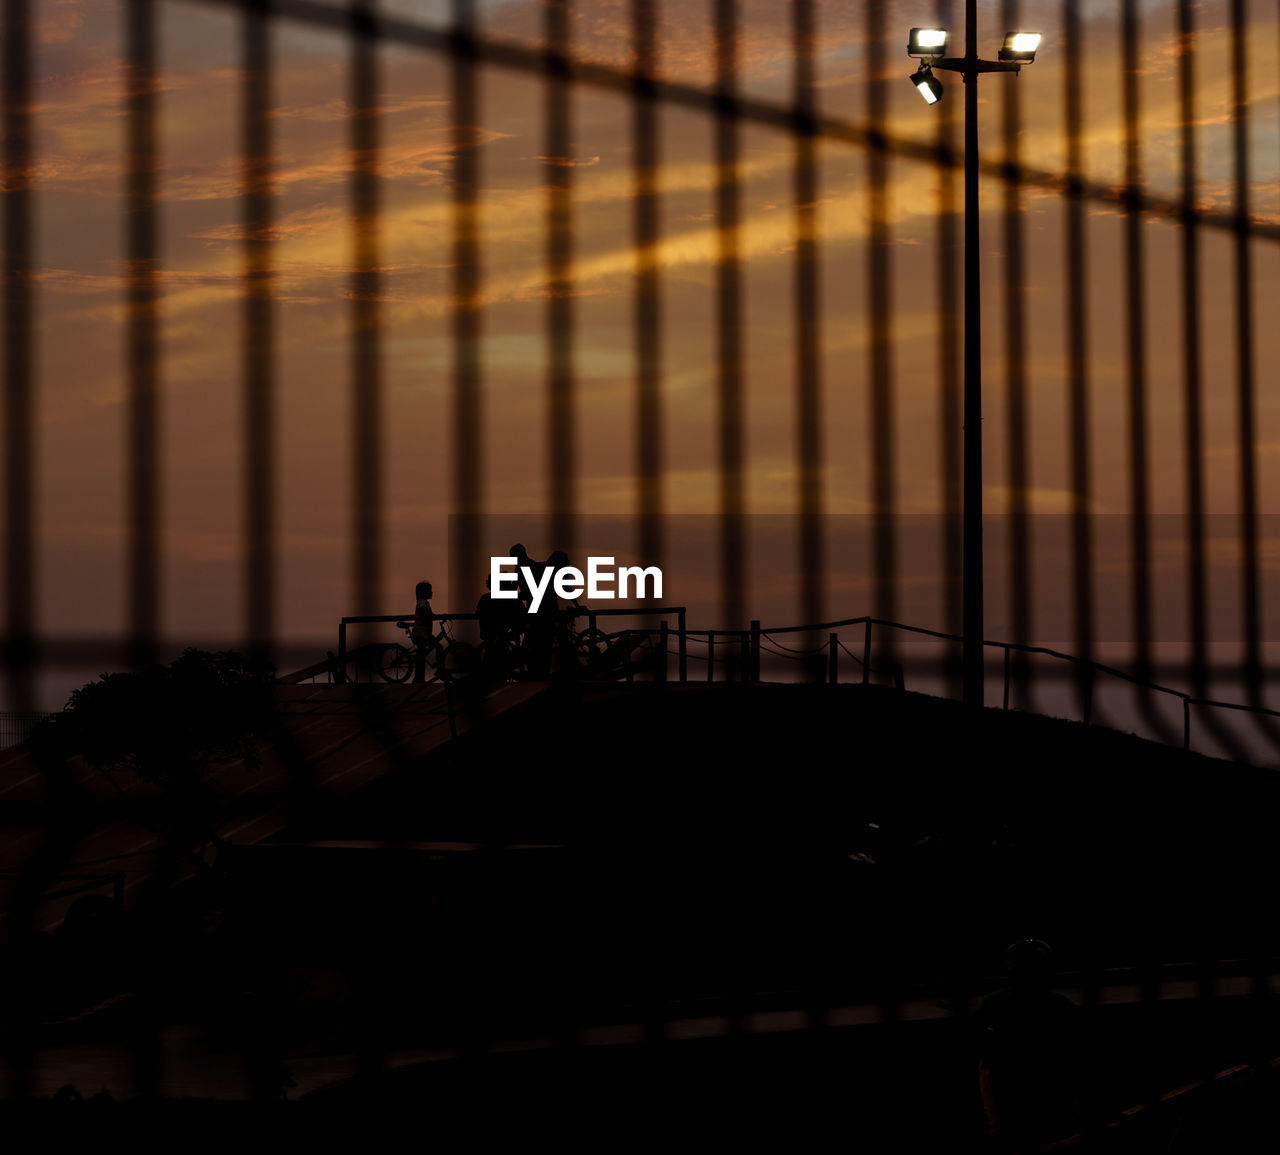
(808, 816)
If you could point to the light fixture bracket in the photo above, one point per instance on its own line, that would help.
(965, 65)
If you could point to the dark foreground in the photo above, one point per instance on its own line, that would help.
(733, 909)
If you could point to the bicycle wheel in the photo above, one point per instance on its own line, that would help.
(460, 659)
(395, 663)
(517, 661)
(593, 649)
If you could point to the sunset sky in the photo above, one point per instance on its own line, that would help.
(79, 246)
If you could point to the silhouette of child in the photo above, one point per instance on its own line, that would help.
(423, 632)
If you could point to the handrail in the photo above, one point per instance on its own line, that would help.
(573, 613)
(748, 644)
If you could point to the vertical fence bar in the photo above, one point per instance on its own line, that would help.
(664, 640)
(729, 318)
(1015, 356)
(648, 314)
(711, 655)
(744, 655)
(755, 651)
(809, 467)
(1077, 348)
(1135, 283)
(833, 649)
(1140, 530)
(950, 420)
(1245, 401)
(866, 653)
(257, 342)
(1197, 591)
(464, 107)
(143, 397)
(366, 287)
(143, 406)
(879, 293)
(684, 645)
(19, 464)
(558, 173)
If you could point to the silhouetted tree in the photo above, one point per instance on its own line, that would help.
(167, 725)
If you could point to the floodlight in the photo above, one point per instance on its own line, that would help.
(927, 42)
(928, 85)
(1020, 46)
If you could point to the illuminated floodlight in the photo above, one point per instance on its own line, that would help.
(1020, 46)
(928, 85)
(927, 42)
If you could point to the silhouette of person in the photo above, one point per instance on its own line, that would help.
(525, 562)
(487, 615)
(560, 620)
(539, 633)
(500, 623)
(1028, 1054)
(423, 632)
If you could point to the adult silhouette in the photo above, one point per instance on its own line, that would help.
(540, 628)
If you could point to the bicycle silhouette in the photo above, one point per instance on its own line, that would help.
(446, 657)
(599, 656)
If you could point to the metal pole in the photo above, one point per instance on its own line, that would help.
(972, 376)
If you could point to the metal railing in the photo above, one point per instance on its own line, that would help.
(738, 653)
(16, 727)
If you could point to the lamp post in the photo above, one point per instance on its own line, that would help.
(929, 46)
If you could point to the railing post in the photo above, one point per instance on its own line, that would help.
(661, 671)
(1088, 696)
(755, 650)
(1186, 723)
(744, 646)
(833, 642)
(626, 649)
(591, 621)
(340, 674)
(684, 647)
(711, 655)
(1007, 664)
(866, 654)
